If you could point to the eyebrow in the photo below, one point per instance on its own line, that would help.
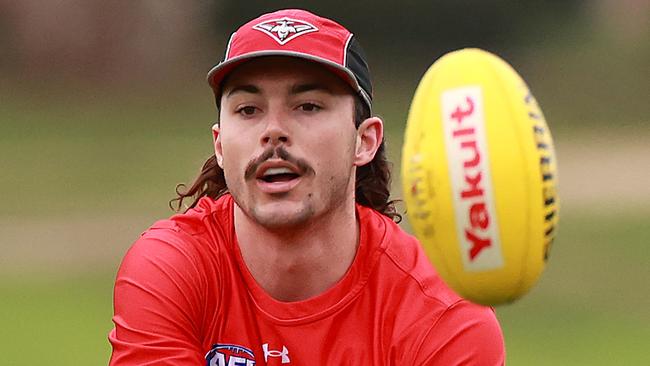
(248, 88)
(296, 89)
(303, 88)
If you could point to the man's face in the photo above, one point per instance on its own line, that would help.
(287, 140)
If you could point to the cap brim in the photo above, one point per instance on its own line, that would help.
(220, 71)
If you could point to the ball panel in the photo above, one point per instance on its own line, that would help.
(426, 190)
(535, 139)
(515, 182)
(509, 192)
(464, 127)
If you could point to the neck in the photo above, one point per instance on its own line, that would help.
(299, 262)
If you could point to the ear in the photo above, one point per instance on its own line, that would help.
(370, 134)
(218, 150)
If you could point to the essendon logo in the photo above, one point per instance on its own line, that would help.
(471, 182)
(229, 355)
(285, 29)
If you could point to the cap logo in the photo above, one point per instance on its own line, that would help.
(285, 29)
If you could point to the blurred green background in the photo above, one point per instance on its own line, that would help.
(104, 108)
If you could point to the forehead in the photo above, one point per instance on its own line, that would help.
(288, 71)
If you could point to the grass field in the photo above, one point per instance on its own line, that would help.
(82, 178)
(590, 308)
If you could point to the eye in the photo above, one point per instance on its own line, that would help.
(309, 107)
(246, 111)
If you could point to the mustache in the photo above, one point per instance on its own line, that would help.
(276, 152)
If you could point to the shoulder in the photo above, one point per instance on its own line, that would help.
(404, 261)
(208, 215)
(433, 323)
(467, 334)
(184, 245)
(209, 220)
(166, 281)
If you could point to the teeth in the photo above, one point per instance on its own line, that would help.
(273, 171)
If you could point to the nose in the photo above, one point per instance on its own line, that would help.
(276, 131)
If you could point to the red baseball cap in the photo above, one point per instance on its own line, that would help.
(297, 33)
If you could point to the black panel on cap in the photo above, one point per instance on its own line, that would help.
(356, 62)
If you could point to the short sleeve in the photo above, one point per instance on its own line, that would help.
(465, 334)
(157, 311)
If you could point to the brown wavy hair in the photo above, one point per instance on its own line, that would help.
(372, 180)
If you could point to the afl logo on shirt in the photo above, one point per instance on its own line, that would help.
(229, 355)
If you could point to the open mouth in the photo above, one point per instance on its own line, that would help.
(280, 176)
(275, 175)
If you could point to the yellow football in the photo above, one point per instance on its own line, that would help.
(479, 176)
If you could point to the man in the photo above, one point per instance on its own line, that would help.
(289, 253)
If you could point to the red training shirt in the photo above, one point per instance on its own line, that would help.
(184, 296)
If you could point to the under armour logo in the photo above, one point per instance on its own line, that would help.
(273, 353)
(285, 29)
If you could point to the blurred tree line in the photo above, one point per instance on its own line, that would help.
(116, 40)
(410, 28)
(578, 53)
